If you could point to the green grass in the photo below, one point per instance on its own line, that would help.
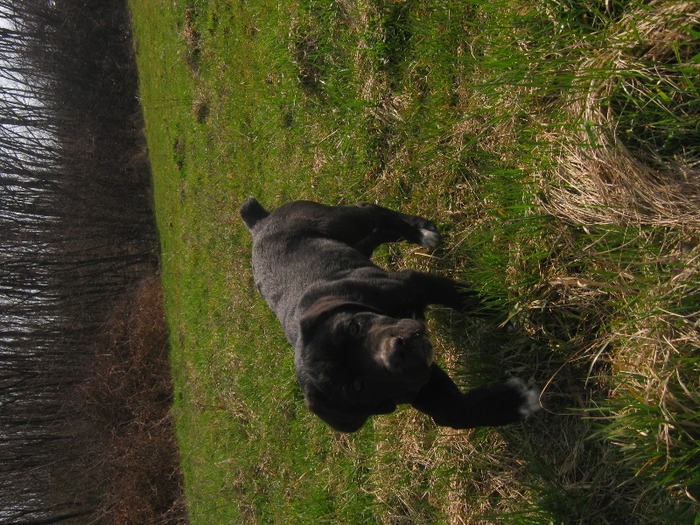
(556, 145)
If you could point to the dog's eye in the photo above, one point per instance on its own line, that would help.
(354, 328)
(358, 385)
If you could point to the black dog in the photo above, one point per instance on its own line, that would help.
(360, 342)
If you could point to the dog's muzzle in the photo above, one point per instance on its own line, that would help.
(406, 348)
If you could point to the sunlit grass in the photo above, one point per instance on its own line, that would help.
(555, 144)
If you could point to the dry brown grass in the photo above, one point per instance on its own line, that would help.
(128, 395)
(601, 181)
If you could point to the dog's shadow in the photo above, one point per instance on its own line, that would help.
(485, 350)
(566, 458)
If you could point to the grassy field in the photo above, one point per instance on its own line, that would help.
(557, 145)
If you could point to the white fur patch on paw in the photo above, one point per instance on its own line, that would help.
(429, 238)
(530, 395)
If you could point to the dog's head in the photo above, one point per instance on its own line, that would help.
(353, 361)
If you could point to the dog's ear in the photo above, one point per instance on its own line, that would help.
(341, 420)
(322, 309)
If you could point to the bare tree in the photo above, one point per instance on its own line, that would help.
(76, 229)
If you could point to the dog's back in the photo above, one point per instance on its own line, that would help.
(283, 270)
(294, 259)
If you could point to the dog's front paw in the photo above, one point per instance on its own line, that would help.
(429, 236)
(529, 396)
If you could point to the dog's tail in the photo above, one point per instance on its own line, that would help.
(252, 212)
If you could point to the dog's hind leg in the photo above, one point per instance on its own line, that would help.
(363, 227)
(396, 226)
(368, 226)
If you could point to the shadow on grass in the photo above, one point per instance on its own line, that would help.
(574, 474)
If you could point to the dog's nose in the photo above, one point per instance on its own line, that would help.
(400, 343)
(413, 346)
